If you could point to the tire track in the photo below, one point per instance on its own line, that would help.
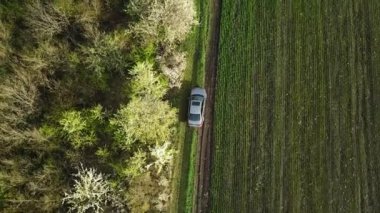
(202, 194)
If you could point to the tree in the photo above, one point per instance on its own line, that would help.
(45, 20)
(106, 53)
(80, 127)
(140, 193)
(146, 82)
(30, 189)
(135, 165)
(76, 128)
(144, 119)
(4, 38)
(163, 156)
(18, 100)
(86, 11)
(106, 56)
(91, 192)
(171, 18)
(149, 192)
(173, 63)
(44, 60)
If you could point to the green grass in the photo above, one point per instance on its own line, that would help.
(184, 169)
(297, 125)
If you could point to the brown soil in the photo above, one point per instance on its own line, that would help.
(202, 196)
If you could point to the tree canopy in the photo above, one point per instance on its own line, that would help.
(84, 108)
(146, 120)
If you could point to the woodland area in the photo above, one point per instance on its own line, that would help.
(86, 122)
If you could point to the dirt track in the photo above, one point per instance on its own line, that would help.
(206, 133)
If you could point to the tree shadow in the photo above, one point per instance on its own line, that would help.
(187, 173)
(178, 97)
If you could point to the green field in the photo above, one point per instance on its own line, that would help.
(297, 112)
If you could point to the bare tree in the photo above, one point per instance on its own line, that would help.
(42, 60)
(18, 100)
(4, 37)
(45, 20)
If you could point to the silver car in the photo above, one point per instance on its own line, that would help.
(197, 107)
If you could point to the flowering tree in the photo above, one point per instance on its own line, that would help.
(91, 191)
(172, 18)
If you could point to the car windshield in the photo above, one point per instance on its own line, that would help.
(194, 117)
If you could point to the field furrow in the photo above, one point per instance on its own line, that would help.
(297, 107)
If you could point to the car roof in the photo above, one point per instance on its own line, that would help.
(195, 106)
